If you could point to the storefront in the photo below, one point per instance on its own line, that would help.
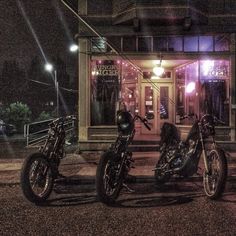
(197, 76)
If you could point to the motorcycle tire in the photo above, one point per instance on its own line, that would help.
(214, 182)
(36, 178)
(106, 186)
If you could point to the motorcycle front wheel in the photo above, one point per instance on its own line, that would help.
(36, 178)
(214, 181)
(108, 180)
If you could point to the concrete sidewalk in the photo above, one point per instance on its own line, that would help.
(83, 166)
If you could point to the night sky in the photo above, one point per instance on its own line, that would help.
(53, 24)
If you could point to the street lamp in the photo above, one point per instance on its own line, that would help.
(49, 68)
(74, 47)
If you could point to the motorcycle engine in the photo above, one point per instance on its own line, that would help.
(179, 153)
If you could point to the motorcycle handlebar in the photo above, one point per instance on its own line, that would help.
(218, 121)
(62, 120)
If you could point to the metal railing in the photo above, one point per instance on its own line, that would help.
(37, 132)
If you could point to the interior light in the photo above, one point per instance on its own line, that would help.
(190, 87)
(207, 66)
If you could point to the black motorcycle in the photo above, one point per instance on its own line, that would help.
(181, 158)
(40, 169)
(116, 162)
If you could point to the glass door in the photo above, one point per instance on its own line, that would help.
(157, 106)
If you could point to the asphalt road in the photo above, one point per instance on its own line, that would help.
(177, 209)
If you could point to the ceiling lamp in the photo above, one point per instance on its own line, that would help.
(158, 70)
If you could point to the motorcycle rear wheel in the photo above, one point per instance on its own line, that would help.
(214, 181)
(36, 178)
(108, 183)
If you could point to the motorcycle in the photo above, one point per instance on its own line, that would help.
(182, 158)
(116, 162)
(40, 169)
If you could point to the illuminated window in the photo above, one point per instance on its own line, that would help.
(175, 44)
(206, 43)
(190, 43)
(222, 43)
(203, 87)
(104, 91)
(99, 45)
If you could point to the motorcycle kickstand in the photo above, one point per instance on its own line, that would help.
(130, 190)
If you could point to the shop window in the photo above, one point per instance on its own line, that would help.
(144, 44)
(104, 91)
(175, 44)
(190, 43)
(164, 102)
(129, 44)
(214, 87)
(159, 44)
(205, 43)
(203, 87)
(129, 88)
(98, 45)
(186, 87)
(149, 102)
(222, 43)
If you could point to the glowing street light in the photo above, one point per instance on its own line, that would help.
(49, 67)
(74, 47)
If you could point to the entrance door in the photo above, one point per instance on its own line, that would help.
(157, 105)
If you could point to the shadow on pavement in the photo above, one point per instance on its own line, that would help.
(155, 201)
(68, 201)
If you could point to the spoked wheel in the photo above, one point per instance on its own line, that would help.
(214, 181)
(108, 181)
(36, 178)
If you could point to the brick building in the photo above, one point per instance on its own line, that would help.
(175, 58)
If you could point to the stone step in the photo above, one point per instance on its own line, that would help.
(143, 148)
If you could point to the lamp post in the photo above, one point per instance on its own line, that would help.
(49, 68)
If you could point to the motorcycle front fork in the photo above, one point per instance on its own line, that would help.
(204, 152)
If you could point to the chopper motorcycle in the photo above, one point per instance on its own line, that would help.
(116, 162)
(40, 169)
(182, 158)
